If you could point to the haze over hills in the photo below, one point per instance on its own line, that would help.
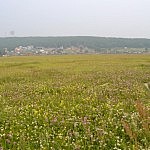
(90, 42)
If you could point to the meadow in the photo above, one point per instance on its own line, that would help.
(75, 102)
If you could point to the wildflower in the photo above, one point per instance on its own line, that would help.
(8, 141)
(85, 120)
(54, 120)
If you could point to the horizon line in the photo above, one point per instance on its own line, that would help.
(75, 36)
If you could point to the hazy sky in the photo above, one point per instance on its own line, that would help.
(106, 18)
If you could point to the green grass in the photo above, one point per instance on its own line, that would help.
(87, 102)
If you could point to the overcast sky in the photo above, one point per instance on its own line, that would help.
(104, 18)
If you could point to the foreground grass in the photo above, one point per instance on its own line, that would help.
(74, 102)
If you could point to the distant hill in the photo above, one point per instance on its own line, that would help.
(96, 43)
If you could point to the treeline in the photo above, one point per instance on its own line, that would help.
(96, 43)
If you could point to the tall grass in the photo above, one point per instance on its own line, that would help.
(75, 102)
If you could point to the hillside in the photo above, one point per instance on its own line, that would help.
(96, 43)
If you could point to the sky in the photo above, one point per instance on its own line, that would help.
(103, 18)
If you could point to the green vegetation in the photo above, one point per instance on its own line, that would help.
(96, 43)
(87, 102)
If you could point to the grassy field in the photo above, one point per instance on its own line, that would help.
(86, 102)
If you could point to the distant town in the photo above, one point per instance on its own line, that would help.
(32, 50)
